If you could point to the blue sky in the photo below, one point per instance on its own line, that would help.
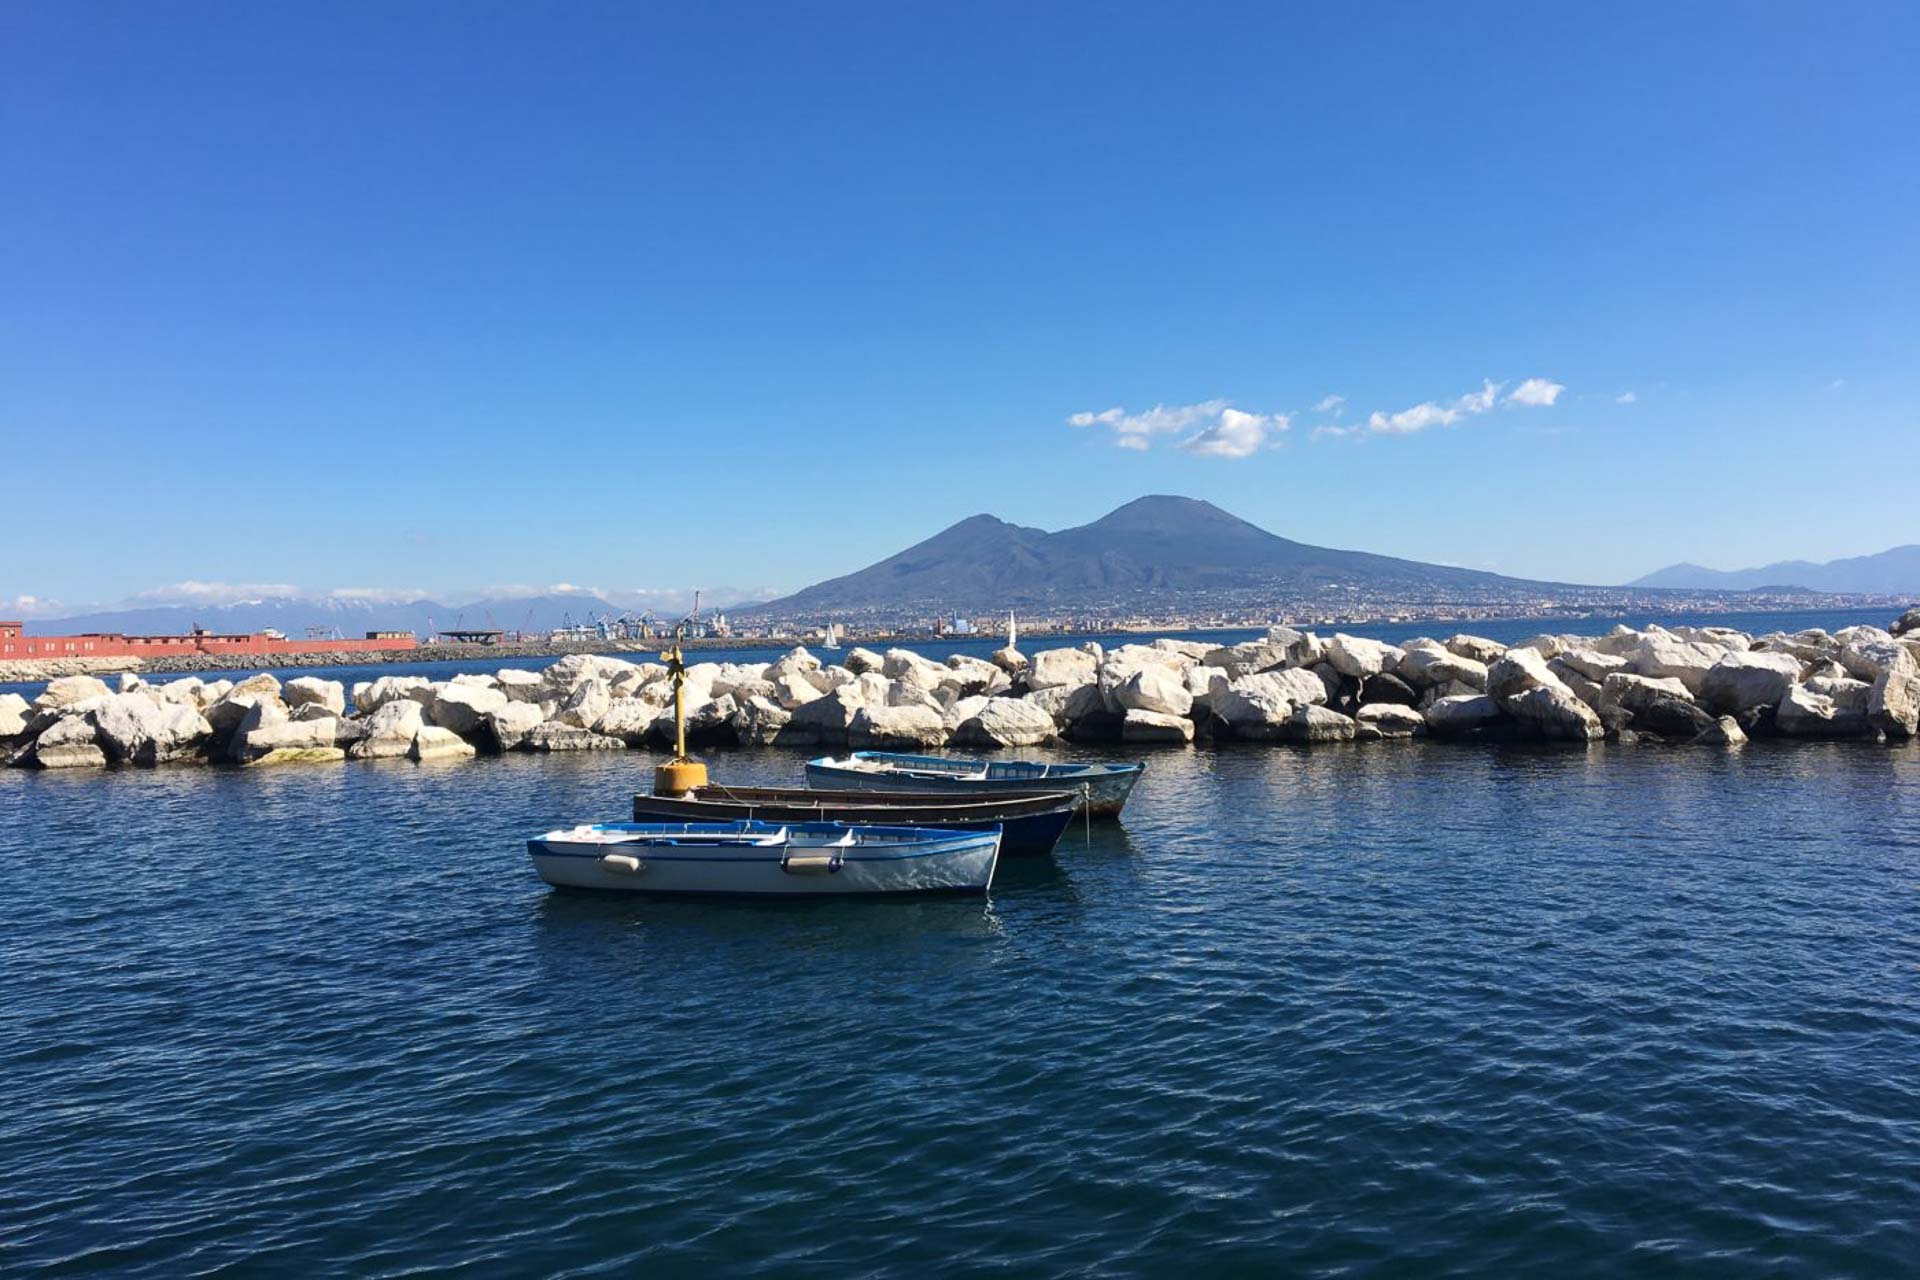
(453, 295)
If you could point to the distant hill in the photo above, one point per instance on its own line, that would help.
(1154, 546)
(1892, 572)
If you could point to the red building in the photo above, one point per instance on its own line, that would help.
(108, 644)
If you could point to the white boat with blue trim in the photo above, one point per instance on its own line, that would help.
(766, 858)
(1102, 788)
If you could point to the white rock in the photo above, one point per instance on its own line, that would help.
(1664, 655)
(478, 679)
(554, 736)
(1428, 662)
(286, 740)
(14, 711)
(586, 702)
(435, 743)
(64, 691)
(133, 728)
(1251, 709)
(520, 686)
(830, 716)
(1055, 667)
(1308, 723)
(464, 708)
(1392, 719)
(1358, 657)
(1866, 656)
(885, 727)
(1529, 691)
(1462, 713)
(1478, 648)
(859, 661)
(1157, 689)
(1292, 684)
(1593, 664)
(628, 719)
(1053, 701)
(1743, 681)
(390, 731)
(391, 689)
(68, 743)
(1805, 713)
(1154, 726)
(763, 722)
(507, 726)
(1632, 693)
(1894, 704)
(304, 691)
(1007, 722)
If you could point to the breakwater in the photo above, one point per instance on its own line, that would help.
(1703, 684)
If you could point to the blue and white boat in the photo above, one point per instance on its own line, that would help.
(1102, 788)
(766, 858)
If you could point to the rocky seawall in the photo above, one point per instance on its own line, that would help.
(1706, 685)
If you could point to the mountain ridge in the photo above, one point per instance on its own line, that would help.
(1895, 571)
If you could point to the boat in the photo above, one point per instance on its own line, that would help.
(1103, 788)
(1029, 823)
(831, 640)
(769, 859)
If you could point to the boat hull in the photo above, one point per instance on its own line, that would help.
(1030, 824)
(938, 862)
(1103, 788)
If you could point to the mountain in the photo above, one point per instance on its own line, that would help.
(1151, 548)
(1892, 572)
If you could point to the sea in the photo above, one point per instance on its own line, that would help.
(1384, 1009)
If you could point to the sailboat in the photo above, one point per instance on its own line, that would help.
(832, 639)
(1013, 633)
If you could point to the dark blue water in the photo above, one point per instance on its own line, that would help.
(1382, 1010)
(1510, 630)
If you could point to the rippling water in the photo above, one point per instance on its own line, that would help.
(1395, 1009)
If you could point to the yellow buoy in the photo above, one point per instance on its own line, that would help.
(682, 773)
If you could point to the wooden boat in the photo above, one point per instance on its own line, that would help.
(1029, 823)
(1103, 788)
(766, 858)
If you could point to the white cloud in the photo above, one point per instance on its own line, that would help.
(1482, 400)
(1334, 433)
(380, 595)
(1217, 429)
(1330, 404)
(1535, 392)
(1236, 434)
(1625, 397)
(192, 592)
(24, 608)
(1431, 413)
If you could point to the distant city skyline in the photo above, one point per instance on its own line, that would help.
(430, 298)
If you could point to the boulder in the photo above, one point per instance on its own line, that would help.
(520, 686)
(1663, 655)
(464, 708)
(391, 689)
(1529, 692)
(262, 685)
(65, 691)
(1247, 658)
(478, 679)
(830, 716)
(1909, 623)
(1478, 648)
(1359, 658)
(1428, 663)
(288, 741)
(1069, 667)
(890, 727)
(1392, 719)
(759, 722)
(390, 731)
(68, 743)
(299, 755)
(134, 729)
(860, 661)
(1155, 726)
(187, 692)
(1807, 713)
(1628, 692)
(1725, 732)
(1893, 705)
(1591, 663)
(1584, 689)
(1742, 681)
(555, 736)
(304, 691)
(1253, 710)
(586, 702)
(1156, 689)
(507, 726)
(436, 743)
(1007, 722)
(1866, 656)
(1309, 723)
(961, 710)
(1672, 717)
(14, 712)
(1052, 701)
(1292, 684)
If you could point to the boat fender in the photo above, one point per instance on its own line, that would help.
(625, 863)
